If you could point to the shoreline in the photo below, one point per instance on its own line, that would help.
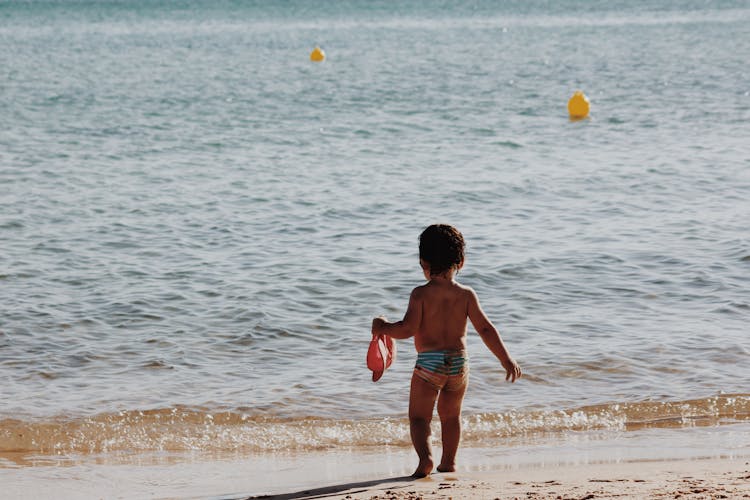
(572, 465)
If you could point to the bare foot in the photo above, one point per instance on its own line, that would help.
(446, 468)
(424, 469)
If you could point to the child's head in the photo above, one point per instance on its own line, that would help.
(441, 247)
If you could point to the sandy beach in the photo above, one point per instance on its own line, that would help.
(684, 479)
(700, 462)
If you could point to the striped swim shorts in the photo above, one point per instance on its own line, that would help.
(443, 370)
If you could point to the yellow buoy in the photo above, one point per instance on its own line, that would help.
(317, 55)
(578, 106)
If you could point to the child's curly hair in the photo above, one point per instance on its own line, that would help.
(442, 247)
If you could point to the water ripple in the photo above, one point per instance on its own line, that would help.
(223, 231)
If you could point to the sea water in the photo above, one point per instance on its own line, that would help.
(197, 223)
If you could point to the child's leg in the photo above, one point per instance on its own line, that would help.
(449, 409)
(421, 405)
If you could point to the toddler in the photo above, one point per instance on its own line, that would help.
(436, 318)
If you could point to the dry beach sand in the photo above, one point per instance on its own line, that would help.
(678, 479)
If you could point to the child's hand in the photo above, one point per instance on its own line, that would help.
(377, 323)
(512, 370)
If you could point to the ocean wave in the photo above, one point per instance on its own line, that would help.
(193, 429)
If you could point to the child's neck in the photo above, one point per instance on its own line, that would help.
(446, 277)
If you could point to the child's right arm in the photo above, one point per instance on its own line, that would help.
(491, 338)
(405, 328)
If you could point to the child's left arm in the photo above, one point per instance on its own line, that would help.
(405, 328)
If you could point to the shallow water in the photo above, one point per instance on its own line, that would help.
(195, 218)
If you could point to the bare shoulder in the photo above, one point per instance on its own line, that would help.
(467, 291)
(419, 292)
(470, 296)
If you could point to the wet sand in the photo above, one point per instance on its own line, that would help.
(696, 462)
(683, 479)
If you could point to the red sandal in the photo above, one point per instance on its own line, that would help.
(380, 355)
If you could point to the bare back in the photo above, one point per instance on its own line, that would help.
(444, 311)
